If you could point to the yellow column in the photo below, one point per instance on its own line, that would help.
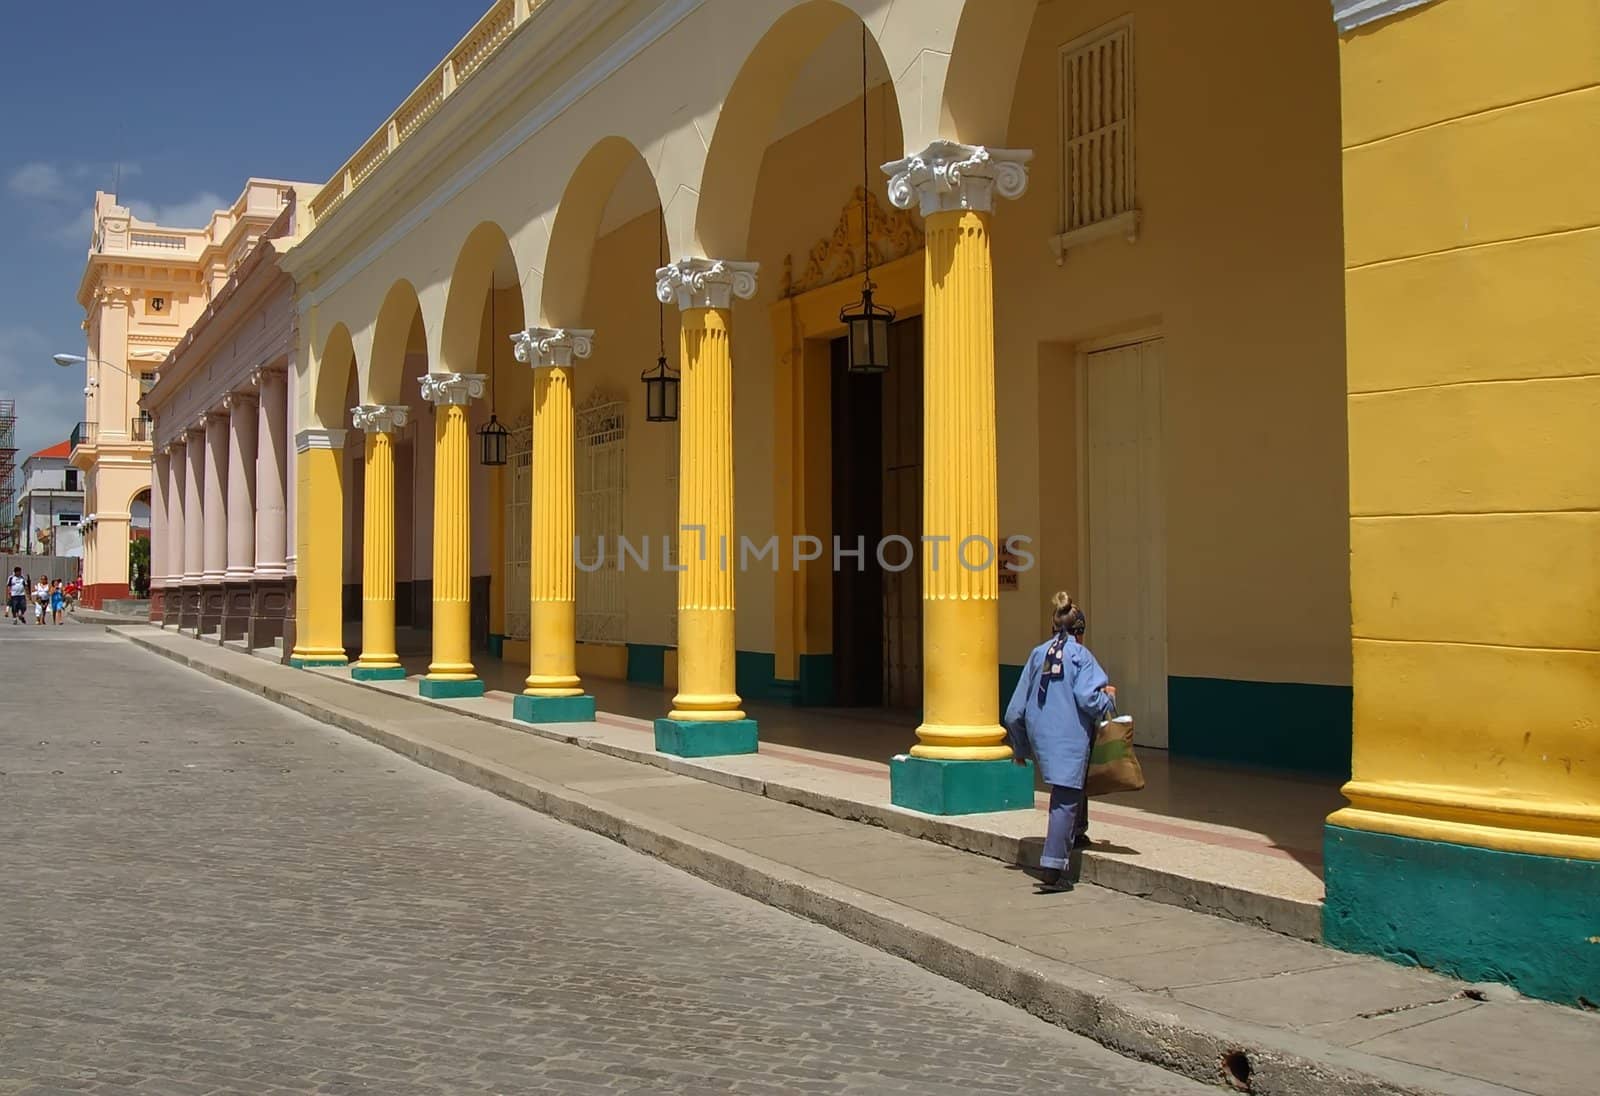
(706, 718)
(1471, 844)
(319, 557)
(379, 661)
(553, 693)
(451, 673)
(960, 763)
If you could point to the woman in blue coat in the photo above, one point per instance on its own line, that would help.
(1060, 700)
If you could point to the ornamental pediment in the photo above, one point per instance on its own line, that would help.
(895, 233)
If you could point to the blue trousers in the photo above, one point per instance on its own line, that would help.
(1069, 818)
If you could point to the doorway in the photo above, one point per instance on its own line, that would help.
(1125, 542)
(877, 494)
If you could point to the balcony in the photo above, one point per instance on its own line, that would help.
(139, 429)
(84, 434)
(82, 441)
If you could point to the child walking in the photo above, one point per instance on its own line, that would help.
(58, 602)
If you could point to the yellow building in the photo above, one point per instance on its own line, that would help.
(1250, 326)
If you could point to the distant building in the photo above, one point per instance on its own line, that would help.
(51, 504)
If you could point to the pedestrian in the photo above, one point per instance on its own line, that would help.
(16, 595)
(1059, 701)
(41, 600)
(72, 594)
(58, 602)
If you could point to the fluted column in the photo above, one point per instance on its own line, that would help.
(319, 525)
(215, 511)
(706, 718)
(241, 485)
(194, 527)
(272, 473)
(451, 673)
(379, 660)
(553, 692)
(955, 186)
(177, 462)
(160, 468)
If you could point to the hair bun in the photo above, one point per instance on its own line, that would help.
(1062, 601)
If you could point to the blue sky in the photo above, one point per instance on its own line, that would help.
(192, 98)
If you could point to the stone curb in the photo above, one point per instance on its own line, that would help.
(1156, 1029)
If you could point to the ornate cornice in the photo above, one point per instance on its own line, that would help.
(451, 389)
(949, 176)
(552, 346)
(894, 234)
(379, 418)
(314, 438)
(706, 283)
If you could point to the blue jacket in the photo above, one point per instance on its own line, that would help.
(1058, 735)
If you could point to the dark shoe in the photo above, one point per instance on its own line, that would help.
(1081, 841)
(1054, 881)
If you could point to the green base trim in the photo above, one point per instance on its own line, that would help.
(959, 787)
(497, 645)
(449, 690)
(1279, 725)
(1009, 676)
(1477, 914)
(553, 709)
(647, 663)
(683, 738)
(317, 663)
(378, 673)
(754, 674)
(784, 691)
(815, 686)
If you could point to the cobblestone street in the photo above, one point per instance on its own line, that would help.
(204, 893)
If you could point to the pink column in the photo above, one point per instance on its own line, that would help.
(177, 461)
(193, 507)
(160, 470)
(272, 474)
(241, 485)
(215, 510)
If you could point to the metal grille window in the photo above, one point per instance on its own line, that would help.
(1097, 136)
(601, 462)
(519, 533)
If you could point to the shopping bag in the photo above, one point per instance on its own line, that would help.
(1113, 766)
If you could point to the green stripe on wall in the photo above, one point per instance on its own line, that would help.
(1279, 725)
(647, 663)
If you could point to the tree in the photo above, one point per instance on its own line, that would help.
(139, 566)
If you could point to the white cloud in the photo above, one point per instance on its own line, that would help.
(194, 213)
(39, 181)
(76, 232)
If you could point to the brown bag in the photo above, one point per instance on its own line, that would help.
(1113, 766)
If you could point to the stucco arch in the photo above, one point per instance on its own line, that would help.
(749, 113)
(142, 494)
(400, 312)
(981, 80)
(335, 366)
(484, 261)
(577, 226)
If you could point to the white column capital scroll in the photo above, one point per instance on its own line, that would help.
(452, 389)
(236, 400)
(379, 418)
(948, 176)
(706, 283)
(262, 372)
(552, 346)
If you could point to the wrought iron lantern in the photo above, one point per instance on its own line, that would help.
(660, 392)
(492, 438)
(866, 321)
(661, 383)
(492, 442)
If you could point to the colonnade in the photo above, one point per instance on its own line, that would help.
(960, 762)
(219, 548)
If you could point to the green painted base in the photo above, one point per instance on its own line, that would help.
(497, 645)
(960, 787)
(1473, 913)
(317, 663)
(378, 673)
(553, 709)
(449, 690)
(683, 738)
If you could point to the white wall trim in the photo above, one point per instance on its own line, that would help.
(1350, 14)
(312, 438)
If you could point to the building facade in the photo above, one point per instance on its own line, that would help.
(51, 504)
(142, 286)
(1226, 317)
(221, 560)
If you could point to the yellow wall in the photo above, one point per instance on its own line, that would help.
(1471, 142)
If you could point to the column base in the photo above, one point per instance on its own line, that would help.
(553, 709)
(377, 673)
(934, 786)
(213, 599)
(269, 612)
(316, 662)
(1473, 913)
(450, 690)
(697, 738)
(235, 609)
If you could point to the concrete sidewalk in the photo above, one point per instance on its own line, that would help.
(1210, 998)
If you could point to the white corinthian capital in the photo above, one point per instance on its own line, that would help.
(705, 283)
(547, 346)
(949, 176)
(379, 418)
(453, 389)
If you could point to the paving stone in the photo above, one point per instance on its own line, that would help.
(259, 904)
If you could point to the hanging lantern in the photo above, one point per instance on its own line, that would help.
(492, 443)
(660, 392)
(866, 322)
(868, 325)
